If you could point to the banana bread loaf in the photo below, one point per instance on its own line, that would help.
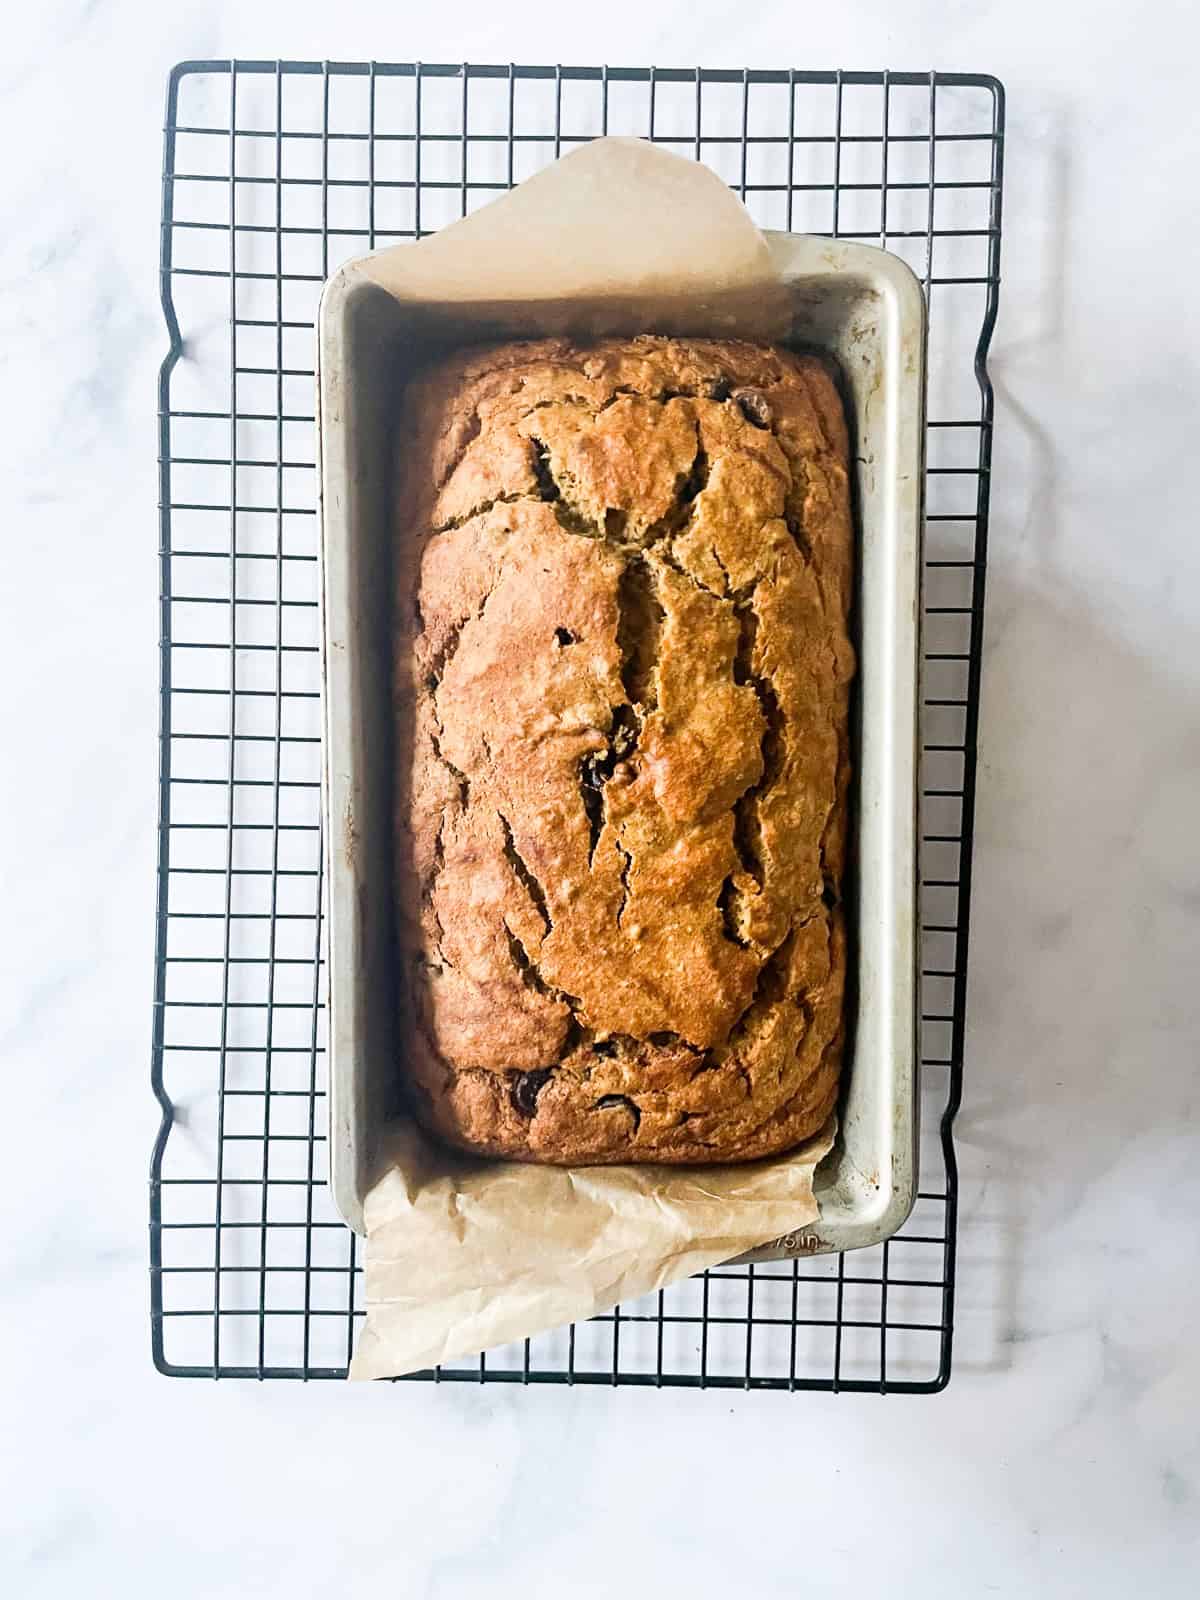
(622, 668)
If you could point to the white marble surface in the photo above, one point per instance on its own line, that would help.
(1063, 1459)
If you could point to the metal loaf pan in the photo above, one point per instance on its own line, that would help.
(864, 308)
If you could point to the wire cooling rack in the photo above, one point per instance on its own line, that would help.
(274, 173)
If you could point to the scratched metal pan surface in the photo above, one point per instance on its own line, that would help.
(865, 309)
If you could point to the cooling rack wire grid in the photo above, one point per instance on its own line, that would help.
(274, 173)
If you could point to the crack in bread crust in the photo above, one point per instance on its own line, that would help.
(622, 754)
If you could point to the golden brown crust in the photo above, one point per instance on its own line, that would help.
(624, 571)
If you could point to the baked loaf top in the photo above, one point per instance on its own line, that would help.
(621, 667)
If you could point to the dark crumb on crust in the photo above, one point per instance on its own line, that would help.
(526, 1087)
(620, 1102)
